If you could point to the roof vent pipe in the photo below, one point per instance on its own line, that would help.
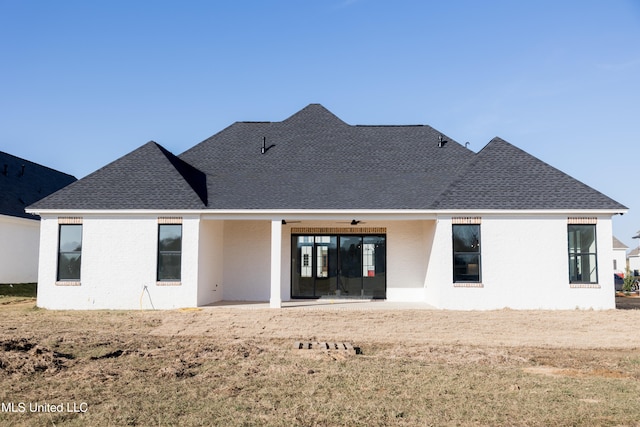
(264, 147)
(441, 141)
(22, 171)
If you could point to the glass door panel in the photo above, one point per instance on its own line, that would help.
(350, 269)
(326, 265)
(302, 280)
(374, 267)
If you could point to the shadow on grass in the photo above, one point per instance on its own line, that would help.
(27, 290)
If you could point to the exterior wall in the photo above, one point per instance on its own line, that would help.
(19, 249)
(247, 260)
(438, 282)
(524, 266)
(118, 269)
(408, 255)
(211, 261)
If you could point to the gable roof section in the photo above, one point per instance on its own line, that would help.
(313, 160)
(617, 244)
(147, 178)
(505, 177)
(23, 182)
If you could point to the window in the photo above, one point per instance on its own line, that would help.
(169, 252)
(69, 252)
(583, 266)
(466, 253)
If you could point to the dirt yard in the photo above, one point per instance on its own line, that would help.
(238, 366)
(502, 328)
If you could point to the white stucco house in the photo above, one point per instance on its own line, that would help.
(619, 256)
(633, 261)
(312, 207)
(21, 183)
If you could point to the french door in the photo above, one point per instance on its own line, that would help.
(339, 266)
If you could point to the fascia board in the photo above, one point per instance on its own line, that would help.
(320, 214)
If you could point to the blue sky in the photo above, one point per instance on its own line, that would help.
(85, 82)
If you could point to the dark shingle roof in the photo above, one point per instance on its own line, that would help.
(314, 160)
(505, 177)
(23, 182)
(147, 178)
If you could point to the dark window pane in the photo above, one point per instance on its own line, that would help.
(69, 266)
(466, 253)
(169, 251)
(69, 251)
(582, 268)
(466, 268)
(169, 266)
(582, 254)
(466, 238)
(582, 238)
(70, 237)
(170, 238)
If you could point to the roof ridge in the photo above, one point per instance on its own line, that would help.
(196, 179)
(388, 126)
(456, 180)
(316, 112)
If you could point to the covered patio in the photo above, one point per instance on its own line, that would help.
(319, 255)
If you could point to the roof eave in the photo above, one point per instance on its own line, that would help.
(323, 213)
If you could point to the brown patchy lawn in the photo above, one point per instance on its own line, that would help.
(237, 367)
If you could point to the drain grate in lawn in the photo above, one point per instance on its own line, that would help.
(343, 347)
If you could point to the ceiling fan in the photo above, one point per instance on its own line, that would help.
(352, 222)
(285, 222)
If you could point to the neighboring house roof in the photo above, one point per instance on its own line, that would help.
(634, 252)
(617, 244)
(314, 160)
(23, 182)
